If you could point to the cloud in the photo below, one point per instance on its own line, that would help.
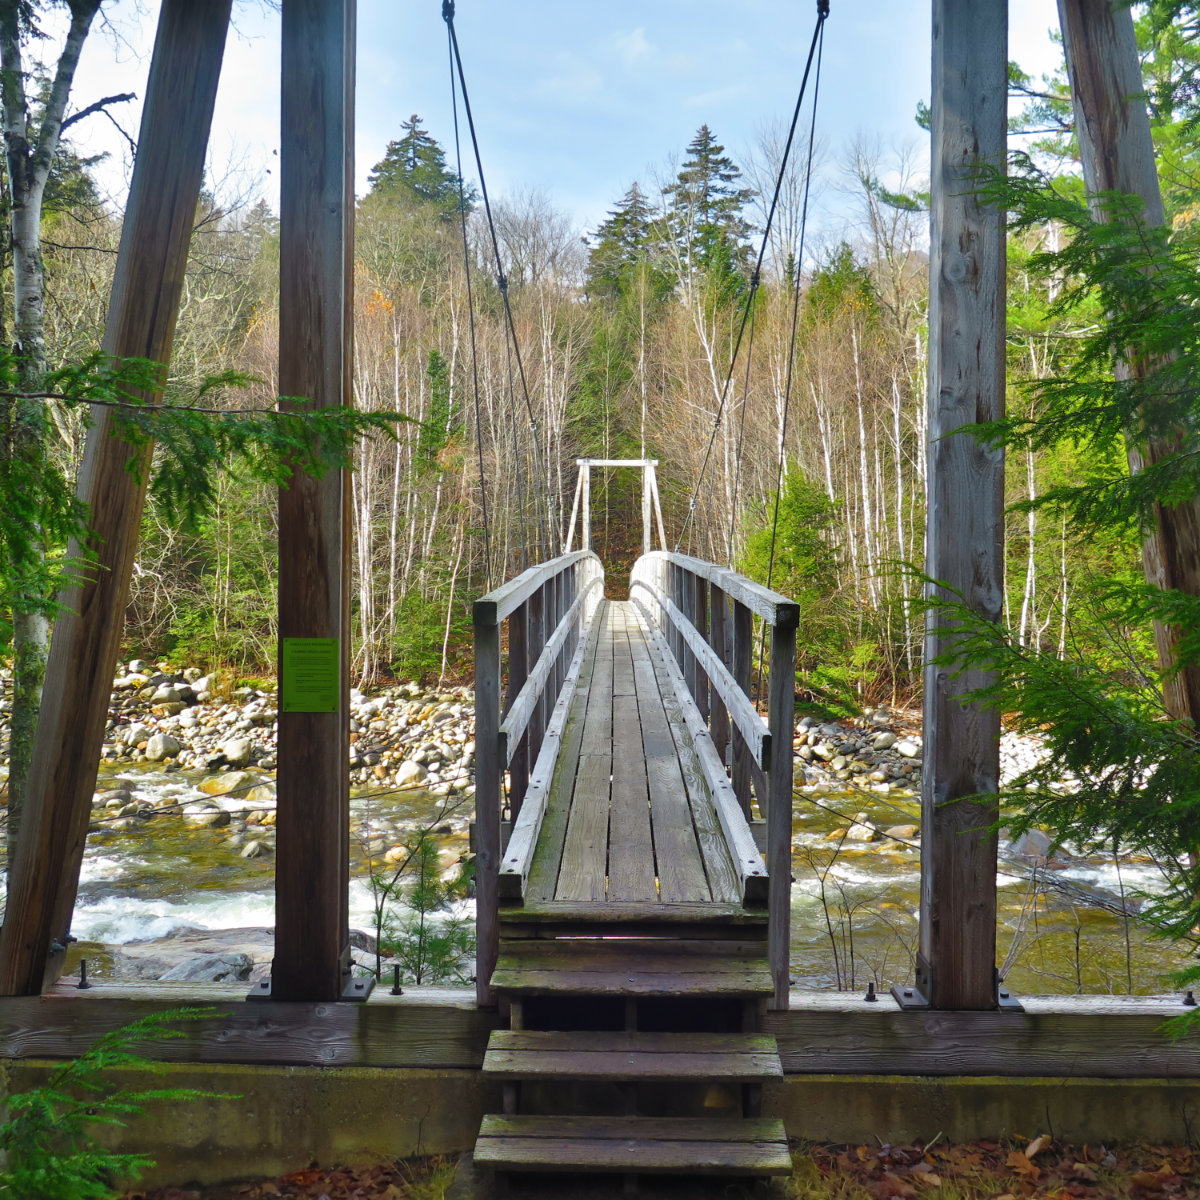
(574, 80)
(633, 46)
(717, 96)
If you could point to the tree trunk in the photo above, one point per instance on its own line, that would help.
(29, 154)
(1113, 128)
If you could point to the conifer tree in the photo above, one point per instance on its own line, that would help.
(414, 168)
(706, 204)
(623, 242)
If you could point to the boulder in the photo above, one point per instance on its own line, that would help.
(213, 968)
(162, 745)
(238, 751)
(411, 774)
(227, 782)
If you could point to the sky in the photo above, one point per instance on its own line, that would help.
(575, 100)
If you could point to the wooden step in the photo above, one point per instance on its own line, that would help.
(557, 918)
(538, 1054)
(620, 966)
(635, 1145)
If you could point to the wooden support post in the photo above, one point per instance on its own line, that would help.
(743, 649)
(574, 511)
(519, 665)
(700, 621)
(585, 538)
(718, 639)
(662, 534)
(1113, 127)
(965, 535)
(646, 508)
(489, 772)
(147, 286)
(781, 717)
(315, 350)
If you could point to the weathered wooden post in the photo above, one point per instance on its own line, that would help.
(585, 540)
(315, 345)
(956, 962)
(1113, 128)
(147, 285)
(489, 776)
(781, 719)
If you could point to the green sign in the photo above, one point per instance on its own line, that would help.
(312, 675)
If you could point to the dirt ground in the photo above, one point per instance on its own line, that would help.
(1041, 1168)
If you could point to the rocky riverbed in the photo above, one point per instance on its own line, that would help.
(183, 824)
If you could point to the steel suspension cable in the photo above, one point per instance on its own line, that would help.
(501, 278)
(822, 14)
(462, 212)
(791, 358)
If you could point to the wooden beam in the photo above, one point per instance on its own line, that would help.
(781, 714)
(965, 532)
(1113, 127)
(144, 304)
(315, 355)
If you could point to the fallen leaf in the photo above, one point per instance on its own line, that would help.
(1037, 1145)
(1022, 1165)
(1081, 1170)
(928, 1179)
(892, 1187)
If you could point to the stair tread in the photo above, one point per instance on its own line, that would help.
(531, 1054)
(632, 967)
(681, 1145)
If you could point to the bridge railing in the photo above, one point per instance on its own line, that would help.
(523, 684)
(705, 616)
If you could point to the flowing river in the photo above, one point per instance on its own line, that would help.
(1062, 927)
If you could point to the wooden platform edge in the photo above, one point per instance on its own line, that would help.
(823, 1033)
(518, 855)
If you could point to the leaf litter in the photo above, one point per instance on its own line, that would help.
(1037, 1168)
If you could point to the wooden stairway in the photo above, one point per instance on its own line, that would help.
(633, 1055)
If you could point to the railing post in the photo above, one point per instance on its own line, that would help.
(519, 662)
(743, 644)
(700, 624)
(488, 773)
(781, 715)
(718, 639)
(536, 634)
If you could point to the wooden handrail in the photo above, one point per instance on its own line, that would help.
(549, 609)
(704, 615)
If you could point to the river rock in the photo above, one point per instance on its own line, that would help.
(213, 968)
(261, 795)
(1033, 845)
(908, 748)
(904, 833)
(226, 782)
(208, 819)
(254, 849)
(883, 741)
(411, 774)
(162, 745)
(238, 751)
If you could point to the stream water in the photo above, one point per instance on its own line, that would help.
(854, 899)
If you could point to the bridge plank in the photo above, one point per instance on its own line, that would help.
(681, 875)
(723, 882)
(543, 874)
(630, 848)
(583, 872)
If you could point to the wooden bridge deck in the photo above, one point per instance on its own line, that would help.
(630, 819)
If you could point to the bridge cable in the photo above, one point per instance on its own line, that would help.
(501, 278)
(817, 40)
(462, 212)
(791, 359)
